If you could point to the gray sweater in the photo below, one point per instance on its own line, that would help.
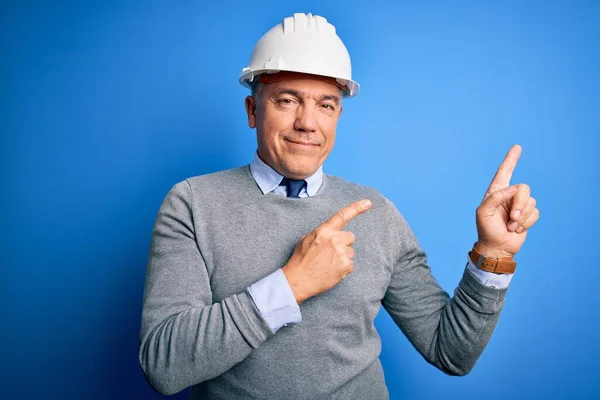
(217, 234)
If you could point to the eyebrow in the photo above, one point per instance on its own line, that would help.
(298, 94)
(332, 97)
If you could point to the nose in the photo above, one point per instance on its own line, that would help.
(305, 119)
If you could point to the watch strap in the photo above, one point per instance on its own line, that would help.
(495, 265)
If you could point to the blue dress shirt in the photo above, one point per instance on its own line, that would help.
(273, 295)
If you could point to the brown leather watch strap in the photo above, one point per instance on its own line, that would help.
(495, 265)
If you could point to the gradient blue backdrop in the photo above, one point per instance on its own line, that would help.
(105, 106)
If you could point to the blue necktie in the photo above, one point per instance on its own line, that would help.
(293, 186)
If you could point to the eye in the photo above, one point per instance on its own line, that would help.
(328, 107)
(285, 101)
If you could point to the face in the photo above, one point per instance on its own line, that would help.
(295, 123)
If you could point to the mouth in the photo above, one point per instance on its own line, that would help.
(302, 144)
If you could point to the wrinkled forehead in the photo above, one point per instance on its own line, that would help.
(303, 85)
(290, 76)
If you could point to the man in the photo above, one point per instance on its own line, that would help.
(264, 281)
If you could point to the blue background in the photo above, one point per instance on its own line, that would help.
(105, 106)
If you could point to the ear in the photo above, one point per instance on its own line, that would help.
(341, 109)
(250, 104)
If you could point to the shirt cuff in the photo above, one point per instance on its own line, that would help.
(490, 279)
(275, 300)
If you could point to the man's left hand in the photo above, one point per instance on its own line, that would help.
(506, 212)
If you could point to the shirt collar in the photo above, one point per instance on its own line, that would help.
(268, 179)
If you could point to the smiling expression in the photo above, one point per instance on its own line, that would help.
(295, 123)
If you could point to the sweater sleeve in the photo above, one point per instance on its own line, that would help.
(450, 333)
(185, 339)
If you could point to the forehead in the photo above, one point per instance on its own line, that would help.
(305, 87)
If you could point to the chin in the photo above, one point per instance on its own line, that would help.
(299, 166)
(301, 172)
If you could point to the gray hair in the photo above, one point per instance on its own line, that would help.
(255, 92)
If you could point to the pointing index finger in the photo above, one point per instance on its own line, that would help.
(345, 215)
(502, 178)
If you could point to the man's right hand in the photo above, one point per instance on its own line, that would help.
(323, 257)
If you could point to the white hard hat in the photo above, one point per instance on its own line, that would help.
(303, 43)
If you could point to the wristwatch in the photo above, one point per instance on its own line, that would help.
(495, 265)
